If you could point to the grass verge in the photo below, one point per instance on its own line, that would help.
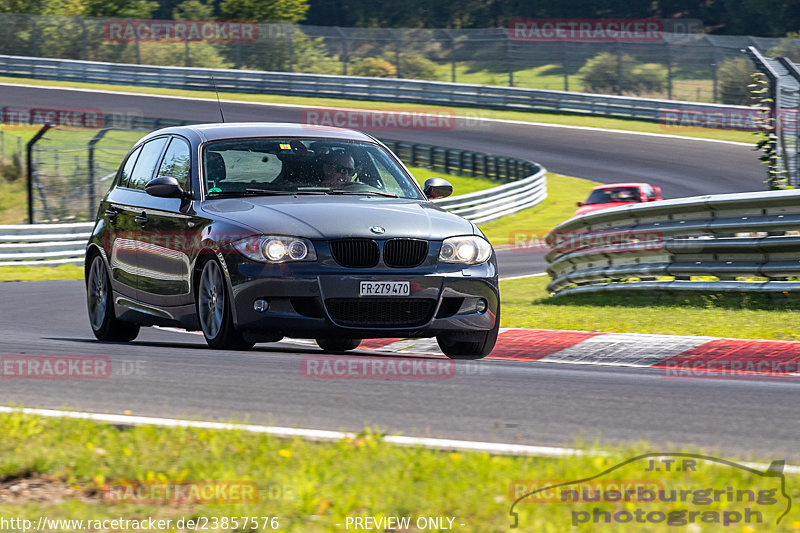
(526, 304)
(536, 222)
(548, 118)
(312, 486)
(40, 273)
(461, 184)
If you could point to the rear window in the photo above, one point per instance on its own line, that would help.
(614, 195)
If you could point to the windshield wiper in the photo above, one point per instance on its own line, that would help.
(375, 193)
(258, 192)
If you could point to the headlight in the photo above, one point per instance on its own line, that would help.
(276, 249)
(469, 249)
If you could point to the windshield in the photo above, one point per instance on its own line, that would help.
(614, 195)
(259, 166)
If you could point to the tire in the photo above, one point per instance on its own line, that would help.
(105, 325)
(338, 345)
(214, 310)
(475, 348)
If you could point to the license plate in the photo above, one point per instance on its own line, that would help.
(384, 288)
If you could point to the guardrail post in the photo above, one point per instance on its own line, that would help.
(396, 52)
(345, 51)
(452, 55)
(619, 67)
(290, 44)
(29, 163)
(34, 36)
(100, 134)
(714, 69)
(509, 57)
(669, 70)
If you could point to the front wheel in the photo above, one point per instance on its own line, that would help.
(214, 311)
(338, 345)
(105, 325)
(475, 347)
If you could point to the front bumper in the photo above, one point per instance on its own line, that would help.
(305, 303)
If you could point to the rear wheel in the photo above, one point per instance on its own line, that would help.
(338, 345)
(472, 347)
(214, 311)
(105, 325)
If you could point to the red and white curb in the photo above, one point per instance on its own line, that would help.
(676, 355)
(680, 356)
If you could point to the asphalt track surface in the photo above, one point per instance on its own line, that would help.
(500, 401)
(490, 400)
(682, 167)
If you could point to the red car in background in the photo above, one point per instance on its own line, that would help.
(617, 194)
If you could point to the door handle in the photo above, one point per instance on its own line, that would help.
(141, 219)
(111, 214)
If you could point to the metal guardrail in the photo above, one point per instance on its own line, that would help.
(362, 88)
(527, 187)
(43, 244)
(755, 236)
(52, 244)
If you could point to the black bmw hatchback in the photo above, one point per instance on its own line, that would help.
(252, 232)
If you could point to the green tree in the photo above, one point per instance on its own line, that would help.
(264, 10)
(193, 10)
(734, 77)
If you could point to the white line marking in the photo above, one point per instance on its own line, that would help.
(321, 434)
(524, 276)
(311, 434)
(479, 119)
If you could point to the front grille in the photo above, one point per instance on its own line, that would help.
(404, 252)
(355, 253)
(380, 312)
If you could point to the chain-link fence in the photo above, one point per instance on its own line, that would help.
(685, 66)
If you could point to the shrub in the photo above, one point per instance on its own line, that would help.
(733, 77)
(787, 47)
(373, 67)
(417, 67)
(11, 170)
(602, 73)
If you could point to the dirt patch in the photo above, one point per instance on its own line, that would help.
(41, 489)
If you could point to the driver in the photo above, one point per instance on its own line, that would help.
(337, 169)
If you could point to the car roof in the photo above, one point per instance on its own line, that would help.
(233, 130)
(628, 184)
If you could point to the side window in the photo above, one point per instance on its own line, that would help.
(128, 167)
(176, 162)
(149, 157)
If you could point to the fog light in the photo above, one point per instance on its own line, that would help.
(260, 305)
(481, 305)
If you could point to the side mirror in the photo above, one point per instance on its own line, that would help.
(579, 204)
(437, 188)
(165, 187)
